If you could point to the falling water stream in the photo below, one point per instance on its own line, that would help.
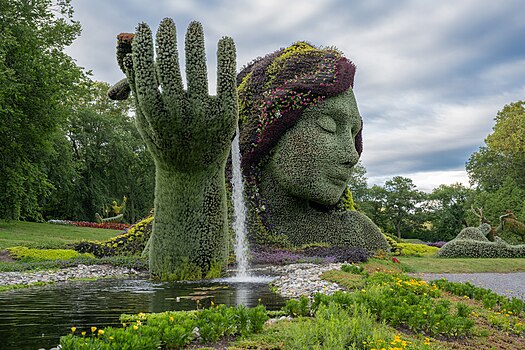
(239, 212)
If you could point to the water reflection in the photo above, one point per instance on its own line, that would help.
(37, 317)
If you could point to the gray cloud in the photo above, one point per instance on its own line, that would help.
(431, 75)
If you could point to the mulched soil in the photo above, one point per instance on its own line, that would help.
(5, 257)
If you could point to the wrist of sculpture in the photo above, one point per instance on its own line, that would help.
(190, 227)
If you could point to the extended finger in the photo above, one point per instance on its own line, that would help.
(196, 61)
(148, 94)
(226, 76)
(168, 64)
(142, 124)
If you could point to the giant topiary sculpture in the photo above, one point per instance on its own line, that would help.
(472, 242)
(189, 135)
(300, 135)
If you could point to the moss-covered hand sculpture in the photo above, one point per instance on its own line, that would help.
(300, 134)
(472, 242)
(189, 135)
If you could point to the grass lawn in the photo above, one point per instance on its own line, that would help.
(461, 265)
(44, 235)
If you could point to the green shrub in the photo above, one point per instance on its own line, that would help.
(131, 242)
(394, 245)
(28, 255)
(297, 307)
(402, 301)
(490, 299)
(410, 249)
(171, 329)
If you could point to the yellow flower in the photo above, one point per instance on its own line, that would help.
(171, 319)
(83, 333)
(93, 329)
(139, 323)
(135, 327)
(111, 338)
(73, 329)
(100, 332)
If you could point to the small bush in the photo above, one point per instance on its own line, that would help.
(28, 255)
(410, 249)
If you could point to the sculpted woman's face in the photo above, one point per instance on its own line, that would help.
(313, 160)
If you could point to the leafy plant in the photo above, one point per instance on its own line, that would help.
(28, 255)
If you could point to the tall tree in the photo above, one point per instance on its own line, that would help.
(38, 82)
(447, 207)
(109, 161)
(498, 168)
(504, 153)
(401, 200)
(358, 183)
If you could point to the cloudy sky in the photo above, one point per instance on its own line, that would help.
(431, 75)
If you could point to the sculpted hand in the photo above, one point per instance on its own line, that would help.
(186, 130)
(189, 135)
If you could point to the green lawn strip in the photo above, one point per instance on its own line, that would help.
(44, 235)
(461, 265)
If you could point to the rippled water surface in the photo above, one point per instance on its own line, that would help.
(36, 317)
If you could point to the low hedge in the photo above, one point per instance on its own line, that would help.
(27, 255)
(131, 242)
(410, 249)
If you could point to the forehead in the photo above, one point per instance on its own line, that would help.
(342, 106)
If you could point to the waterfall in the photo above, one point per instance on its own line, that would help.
(239, 212)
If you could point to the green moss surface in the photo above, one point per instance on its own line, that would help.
(188, 133)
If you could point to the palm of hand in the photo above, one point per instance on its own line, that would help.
(183, 129)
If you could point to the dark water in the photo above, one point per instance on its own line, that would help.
(36, 317)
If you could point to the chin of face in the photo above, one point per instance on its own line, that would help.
(324, 194)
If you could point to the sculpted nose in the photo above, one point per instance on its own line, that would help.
(350, 156)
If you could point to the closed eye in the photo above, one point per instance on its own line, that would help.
(327, 124)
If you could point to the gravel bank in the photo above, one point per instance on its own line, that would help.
(62, 275)
(303, 279)
(508, 284)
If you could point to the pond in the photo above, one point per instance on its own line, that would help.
(35, 318)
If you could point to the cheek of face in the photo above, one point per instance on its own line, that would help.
(304, 164)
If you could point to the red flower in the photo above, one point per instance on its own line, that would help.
(394, 259)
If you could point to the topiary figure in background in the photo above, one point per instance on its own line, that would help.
(189, 135)
(472, 242)
(300, 136)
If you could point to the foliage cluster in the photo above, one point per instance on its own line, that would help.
(262, 255)
(344, 327)
(407, 302)
(131, 242)
(104, 225)
(29, 255)
(410, 249)
(489, 299)
(65, 149)
(173, 330)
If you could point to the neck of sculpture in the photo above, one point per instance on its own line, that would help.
(299, 219)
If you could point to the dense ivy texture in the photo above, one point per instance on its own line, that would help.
(472, 242)
(189, 134)
(131, 242)
(300, 137)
